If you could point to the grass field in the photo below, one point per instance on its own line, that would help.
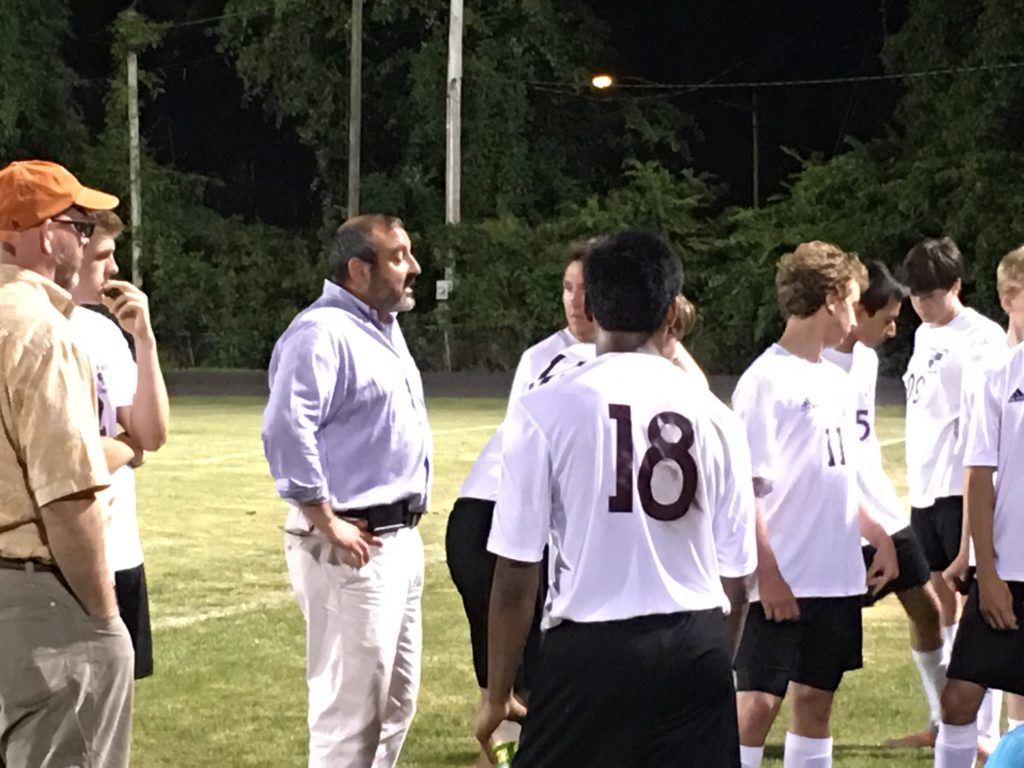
(229, 687)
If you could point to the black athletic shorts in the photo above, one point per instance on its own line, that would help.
(133, 605)
(938, 529)
(991, 658)
(815, 649)
(646, 692)
(472, 569)
(914, 570)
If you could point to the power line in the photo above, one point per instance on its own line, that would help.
(213, 19)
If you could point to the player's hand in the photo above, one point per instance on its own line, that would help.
(130, 307)
(955, 575)
(884, 566)
(776, 597)
(487, 720)
(138, 455)
(352, 538)
(996, 603)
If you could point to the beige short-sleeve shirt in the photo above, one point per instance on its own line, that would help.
(49, 439)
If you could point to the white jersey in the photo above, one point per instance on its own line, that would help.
(799, 421)
(937, 400)
(116, 375)
(877, 493)
(536, 359)
(995, 438)
(484, 475)
(636, 479)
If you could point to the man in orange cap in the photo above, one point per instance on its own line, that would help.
(66, 666)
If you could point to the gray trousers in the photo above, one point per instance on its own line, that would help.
(65, 679)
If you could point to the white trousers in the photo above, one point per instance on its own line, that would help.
(363, 642)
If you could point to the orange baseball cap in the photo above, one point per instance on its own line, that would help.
(32, 191)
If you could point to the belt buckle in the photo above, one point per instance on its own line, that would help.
(388, 528)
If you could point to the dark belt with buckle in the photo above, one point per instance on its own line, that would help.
(384, 518)
(20, 564)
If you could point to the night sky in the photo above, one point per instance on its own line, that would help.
(201, 124)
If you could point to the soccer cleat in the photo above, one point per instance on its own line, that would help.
(924, 739)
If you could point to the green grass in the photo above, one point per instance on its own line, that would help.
(229, 688)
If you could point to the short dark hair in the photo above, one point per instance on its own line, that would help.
(354, 240)
(631, 278)
(934, 264)
(578, 250)
(882, 289)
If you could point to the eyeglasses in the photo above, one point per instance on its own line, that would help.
(84, 228)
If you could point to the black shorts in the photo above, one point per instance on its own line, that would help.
(938, 529)
(815, 650)
(914, 570)
(133, 605)
(472, 569)
(991, 658)
(645, 692)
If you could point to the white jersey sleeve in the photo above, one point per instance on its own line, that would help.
(754, 404)
(734, 515)
(520, 532)
(995, 438)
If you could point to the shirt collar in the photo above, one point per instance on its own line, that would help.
(61, 299)
(339, 296)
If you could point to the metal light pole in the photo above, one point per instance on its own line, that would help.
(453, 163)
(355, 107)
(134, 166)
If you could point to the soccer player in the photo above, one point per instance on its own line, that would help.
(634, 476)
(803, 628)
(951, 339)
(877, 313)
(989, 644)
(470, 565)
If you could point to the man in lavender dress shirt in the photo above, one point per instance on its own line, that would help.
(346, 435)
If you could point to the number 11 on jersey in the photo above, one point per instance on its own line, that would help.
(661, 449)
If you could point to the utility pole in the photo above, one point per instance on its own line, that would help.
(355, 107)
(453, 163)
(134, 166)
(755, 147)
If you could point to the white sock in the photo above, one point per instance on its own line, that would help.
(933, 679)
(956, 745)
(805, 752)
(948, 636)
(1012, 723)
(750, 757)
(989, 716)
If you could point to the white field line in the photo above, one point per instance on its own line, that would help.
(892, 441)
(269, 601)
(456, 430)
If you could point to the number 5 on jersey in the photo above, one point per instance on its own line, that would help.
(660, 449)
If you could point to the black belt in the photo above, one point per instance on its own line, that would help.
(20, 564)
(384, 518)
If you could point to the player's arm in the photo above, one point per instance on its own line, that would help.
(777, 598)
(736, 591)
(994, 598)
(513, 601)
(519, 532)
(301, 394)
(147, 418)
(884, 567)
(121, 451)
(955, 574)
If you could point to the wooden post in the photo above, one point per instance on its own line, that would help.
(453, 157)
(355, 107)
(134, 167)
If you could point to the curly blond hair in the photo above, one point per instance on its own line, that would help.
(1010, 273)
(686, 317)
(814, 271)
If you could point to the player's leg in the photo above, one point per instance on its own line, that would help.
(1014, 711)
(399, 703)
(765, 661)
(982, 658)
(693, 712)
(589, 703)
(809, 740)
(830, 646)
